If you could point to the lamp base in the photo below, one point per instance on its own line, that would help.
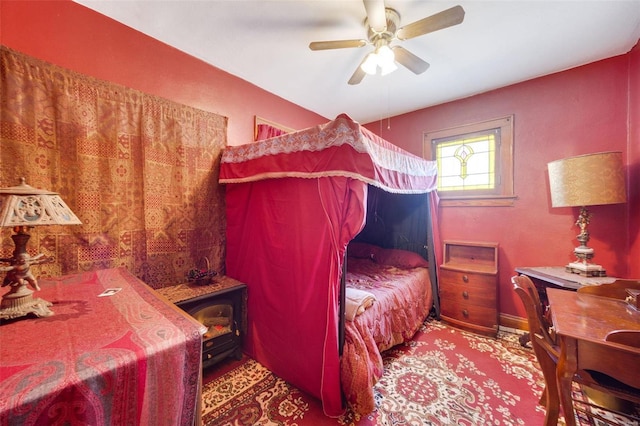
(19, 302)
(586, 269)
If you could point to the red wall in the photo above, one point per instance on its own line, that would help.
(77, 38)
(579, 111)
(587, 109)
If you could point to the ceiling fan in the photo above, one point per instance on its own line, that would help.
(382, 29)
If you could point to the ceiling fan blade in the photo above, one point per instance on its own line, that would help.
(446, 18)
(336, 44)
(409, 60)
(359, 74)
(376, 15)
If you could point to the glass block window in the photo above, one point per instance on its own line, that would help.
(475, 162)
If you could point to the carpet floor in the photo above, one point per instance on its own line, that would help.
(443, 376)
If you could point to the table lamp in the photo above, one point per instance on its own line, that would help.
(587, 180)
(23, 207)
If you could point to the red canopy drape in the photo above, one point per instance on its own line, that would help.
(293, 204)
(265, 131)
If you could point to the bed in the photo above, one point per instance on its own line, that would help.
(293, 204)
(388, 296)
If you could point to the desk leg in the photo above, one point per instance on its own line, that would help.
(567, 364)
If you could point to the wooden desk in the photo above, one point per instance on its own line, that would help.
(544, 277)
(582, 322)
(556, 277)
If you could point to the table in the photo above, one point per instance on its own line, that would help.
(544, 277)
(557, 277)
(220, 284)
(581, 322)
(128, 358)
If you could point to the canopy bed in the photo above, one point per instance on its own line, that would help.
(294, 202)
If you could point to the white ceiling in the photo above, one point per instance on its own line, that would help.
(499, 43)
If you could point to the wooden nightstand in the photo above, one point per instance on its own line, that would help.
(469, 286)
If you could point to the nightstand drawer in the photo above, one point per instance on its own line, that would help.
(472, 295)
(477, 315)
(468, 281)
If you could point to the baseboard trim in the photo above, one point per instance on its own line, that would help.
(512, 321)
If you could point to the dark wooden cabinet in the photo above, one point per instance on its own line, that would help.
(221, 307)
(469, 286)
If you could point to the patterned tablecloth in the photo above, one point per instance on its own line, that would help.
(126, 359)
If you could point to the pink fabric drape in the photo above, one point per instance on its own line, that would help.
(339, 148)
(265, 132)
(290, 255)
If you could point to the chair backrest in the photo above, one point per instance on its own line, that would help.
(539, 325)
(624, 337)
(543, 344)
(615, 290)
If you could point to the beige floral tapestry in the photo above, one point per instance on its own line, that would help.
(139, 171)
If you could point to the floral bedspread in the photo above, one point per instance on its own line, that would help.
(403, 300)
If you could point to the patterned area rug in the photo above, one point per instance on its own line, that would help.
(444, 376)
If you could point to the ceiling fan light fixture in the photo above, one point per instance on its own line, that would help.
(385, 55)
(386, 59)
(383, 28)
(370, 64)
(388, 68)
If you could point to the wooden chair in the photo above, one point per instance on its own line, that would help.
(615, 290)
(625, 337)
(543, 343)
(547, 353)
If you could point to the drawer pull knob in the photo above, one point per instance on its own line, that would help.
(465, 278)
(465, 313)
(465, 294)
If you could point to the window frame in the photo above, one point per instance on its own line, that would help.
(504, 194)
